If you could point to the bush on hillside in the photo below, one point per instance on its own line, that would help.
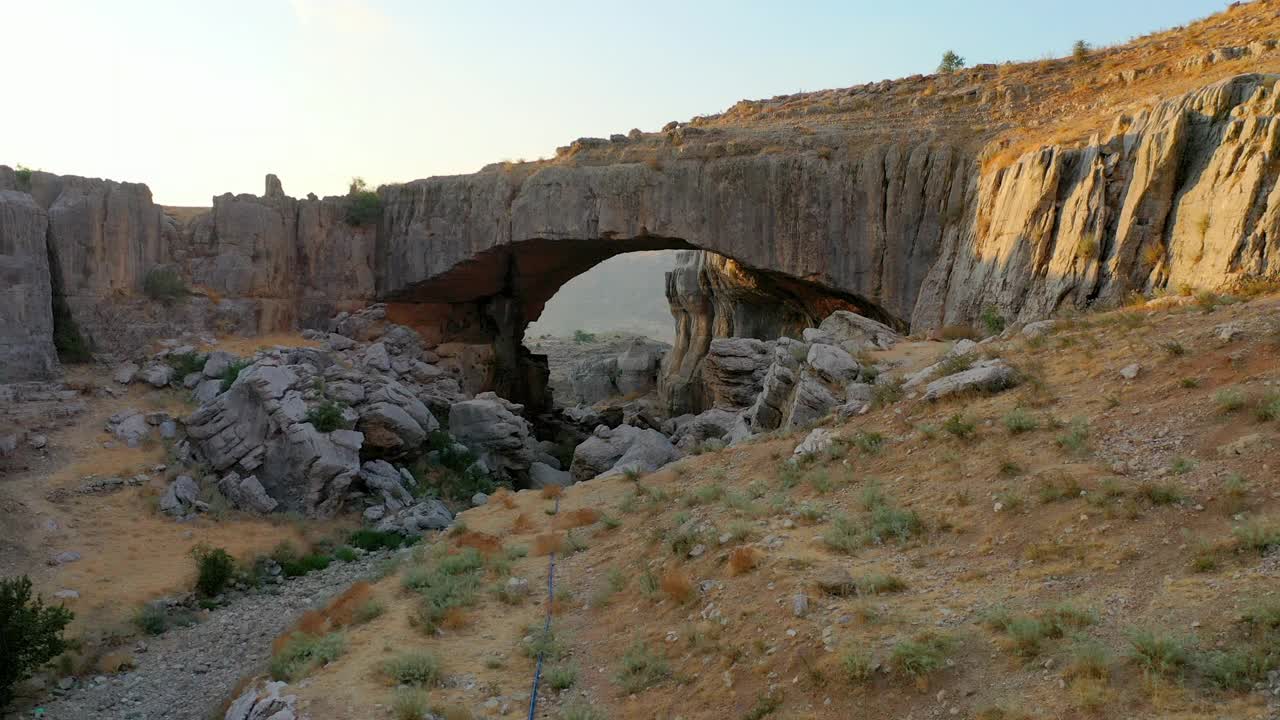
(214, 569)
(30, 633)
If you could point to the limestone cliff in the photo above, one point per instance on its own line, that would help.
(26, 316)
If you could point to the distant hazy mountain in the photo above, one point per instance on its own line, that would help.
(626, 293)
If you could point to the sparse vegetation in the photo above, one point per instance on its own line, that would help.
(1157, 653)
(232, 373)
(991, 318)
(1020, 421)
(582, 337)
(419, 668)
(302, 653)
(1229, 400)
(641, 669)
(920, 655)
(1080, 51)
(327, 416)
(958, 426)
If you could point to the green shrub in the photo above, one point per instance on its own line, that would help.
(151, 619)
(1159, 494)
(232, 372)
(844, 535)
(958, 426)
(327, 416)
(363, 205)
(920, 655)
(1268, 408)
(1258, 534)
(562, 677)
(891, 522)
(869, 442)
(542, 641)
(1229, 400)
(857, 665)
(23, 175)
(345, 554)
(582, 336)
(1236, 669)
(410, 704)
(184, 364)
(419, 668)
(214, 569)
(1019, 421)
(374, 540)
(953, 364)
(294, 565)
(1076, 436)
(31, 634)
(641, 669)
(1157, 653)
(303, 653)
(72, 347)
(992, 320)
(164, 285)
(368, 611)
(888, 393)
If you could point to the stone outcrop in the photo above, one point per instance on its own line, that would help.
(26, 294)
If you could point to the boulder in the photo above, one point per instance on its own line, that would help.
(493, 429)
(217, 364)
(429, 514)
(987, 376)
(818, 440)
(125, 373)
(812, 400)
(541, 475)
(609, 452)
(856, 333)
(1039, 328)
(375, 357)
(389, 429)
(694, 430)
(157, 374)
(832, 364)
(130, 426)
(247, 494)
(180, 497)
(381, 478)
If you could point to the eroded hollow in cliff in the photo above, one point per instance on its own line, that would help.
(477, 314)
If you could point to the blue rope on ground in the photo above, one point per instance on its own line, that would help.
(546, 625)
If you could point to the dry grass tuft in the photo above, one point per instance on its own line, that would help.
(485, 543)
(576, 518)
(677, 585)
(522, 525)
(342, 610)
(743, 560)
(455, 618)
(503, 497)
(547, 543)
(551, 492)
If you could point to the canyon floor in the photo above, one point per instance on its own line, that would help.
(1087, 544)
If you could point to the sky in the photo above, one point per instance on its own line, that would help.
(201, 98)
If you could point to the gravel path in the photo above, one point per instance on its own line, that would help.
(187, 673)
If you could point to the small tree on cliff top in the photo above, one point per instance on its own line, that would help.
(365, 205)
(951, 62)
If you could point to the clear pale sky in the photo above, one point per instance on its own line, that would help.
(200, 98)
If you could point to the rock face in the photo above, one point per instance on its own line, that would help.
(914, 233)
(1180, 194)
(26, 314)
